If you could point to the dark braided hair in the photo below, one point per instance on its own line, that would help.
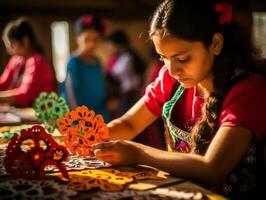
(194, 20)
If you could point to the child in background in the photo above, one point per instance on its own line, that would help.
(28, 72)
(211, 97)
(84, 84)
(125, 70)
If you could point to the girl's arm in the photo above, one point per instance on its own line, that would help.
(132, 122)
(223, 154)
(7, 76)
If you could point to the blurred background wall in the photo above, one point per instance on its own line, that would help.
(131, 15)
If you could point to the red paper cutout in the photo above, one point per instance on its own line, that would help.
(28, 154)
(81, 129)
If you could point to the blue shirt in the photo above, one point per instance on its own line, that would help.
(88, 85)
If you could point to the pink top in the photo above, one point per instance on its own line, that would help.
(27, 78)
(8, 79)
(244, 105)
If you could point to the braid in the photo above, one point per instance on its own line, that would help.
(225, 77)
(206, 128)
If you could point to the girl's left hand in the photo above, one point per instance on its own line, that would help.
(117, 152)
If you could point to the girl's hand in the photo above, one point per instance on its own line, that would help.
(117, 152)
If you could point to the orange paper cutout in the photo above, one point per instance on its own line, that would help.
(89, 179)
(81, 129)
(106, 179)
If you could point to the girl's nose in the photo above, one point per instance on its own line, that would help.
(174, 69)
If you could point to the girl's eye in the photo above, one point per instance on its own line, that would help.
(184, 60)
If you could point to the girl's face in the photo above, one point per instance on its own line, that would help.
(190, 63)
(20, 48)
(88, 40)
(112, 49)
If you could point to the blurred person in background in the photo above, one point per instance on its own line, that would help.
(125, 72)
(28, 72)
(84, 83)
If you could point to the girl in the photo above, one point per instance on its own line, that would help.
(215, 119)
(84, 84)
(28, 72)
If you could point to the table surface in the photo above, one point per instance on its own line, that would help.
(171, 183)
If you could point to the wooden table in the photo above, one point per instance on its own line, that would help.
(171, 183)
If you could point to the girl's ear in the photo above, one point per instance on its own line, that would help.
(217, 43)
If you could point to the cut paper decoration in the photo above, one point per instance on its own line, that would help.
(89, 179)
(2, 168)
(156, 194)
(48, 108)
(85, 183)
(10, 132)
(81, 129)
(25, 189)
(75, 163)
(105, 179)
(28, 154)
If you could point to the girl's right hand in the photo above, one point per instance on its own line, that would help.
(117, 152)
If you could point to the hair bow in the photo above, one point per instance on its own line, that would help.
(226, 12)
(87, 20)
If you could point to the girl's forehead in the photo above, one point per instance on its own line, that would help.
(170, 45)
(170, 42)
(89, 32)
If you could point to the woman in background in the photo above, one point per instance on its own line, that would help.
(28, 72)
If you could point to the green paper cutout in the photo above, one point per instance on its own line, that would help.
(7, 135)
(48, 108)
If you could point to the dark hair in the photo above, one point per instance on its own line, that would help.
(18, 29)
(119, 37)
(87, 22)
(194, 20)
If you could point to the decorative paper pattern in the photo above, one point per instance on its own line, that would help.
(48, 108)
(8, 134)
(28, 154)
(81, 129)
(42, 190)
(75, 163)
(156, 194)
(89, 179)
(106, 179)
(2, 168)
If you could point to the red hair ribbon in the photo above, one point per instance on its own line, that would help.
(87, 20)
(226, 12)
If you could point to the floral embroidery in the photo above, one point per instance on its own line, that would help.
(179, 139)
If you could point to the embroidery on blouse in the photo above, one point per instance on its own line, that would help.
(179, 140)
